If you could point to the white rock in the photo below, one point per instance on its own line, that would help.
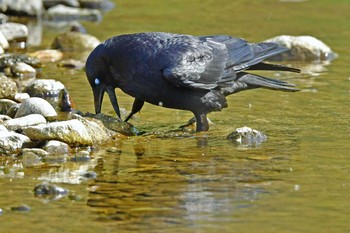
(3, 128)
(72, 132)
(36, 105)
(44, 87)
(3, 41)
(11, 142)
(303, 48)
(21, 122)
(56, 147)
(21, 68)
(20, 97)
(13, 31)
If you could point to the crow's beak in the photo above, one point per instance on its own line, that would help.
(98, 97)
(113, 98)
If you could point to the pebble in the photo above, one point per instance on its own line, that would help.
(35, 105)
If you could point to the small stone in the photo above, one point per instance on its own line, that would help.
(14, 31)
(97, 4)
(37, 151)
(21, 122)
(8, 88)
(72, 64)
(56, 147)
(64, 102)
(48, 55)
(31, 160)
(11, 142)
(51, 3)
(20, 97)
(21, 208)
(22, 69)
(36, 105)
(46, 189)
(44, 88)
(72, 132)
(5, 105)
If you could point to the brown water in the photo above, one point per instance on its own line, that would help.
(297, 181)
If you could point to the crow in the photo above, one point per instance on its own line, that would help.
(193, 73)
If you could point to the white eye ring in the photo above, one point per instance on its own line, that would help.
(97, 81)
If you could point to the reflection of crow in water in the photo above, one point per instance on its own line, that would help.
(180, 71)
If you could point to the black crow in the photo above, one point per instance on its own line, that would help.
(193, 73)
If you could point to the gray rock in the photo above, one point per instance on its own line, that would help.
(8, 88)
(49, 191)
(8, 60)
(44, 88)
(36, 105)
(56, 147)
(72, 132)
(51, 3)
(22, 69)
(31, 160)
(21, 122)
(97, 4)
(72, 63)
(37, 151)
(75, 41)
(21, 208)
(302, 48)
(5, 105)
(12, 143)
(14, 31)
(22, 7)
(247, 136)
(11, 112)
(66, 13)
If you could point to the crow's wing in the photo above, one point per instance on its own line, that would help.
(194, 62)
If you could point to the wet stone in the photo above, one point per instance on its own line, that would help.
(36, 105)
(49, 191)
(20, 97)
(37, 151)
(31, 160)
(22, 69)
(12, 143)
(20, 122)
(64, 102)
(8, 60)
(247, 136)
(5, 105)
(14, 31)
(48, 55)
(75, 41)
(4, 118)
(51, 3)
(22, 7)
(56, 147)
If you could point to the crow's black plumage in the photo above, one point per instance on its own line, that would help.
(180, 71)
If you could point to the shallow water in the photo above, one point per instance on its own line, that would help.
(296, 181)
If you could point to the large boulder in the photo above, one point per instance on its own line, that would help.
(302, 48)
(72, 132)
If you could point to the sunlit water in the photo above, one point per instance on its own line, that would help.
(296, 181)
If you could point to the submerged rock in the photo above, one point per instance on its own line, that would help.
(302, 48)
(20, 122)
(75, 41)
(22, 69)
(48, 55)
(8, 88)
(72, 63)
(247, 136)
(12, 143)
(72, 132)
(49, 191)
(114, 124)
(21, 208)
(66, 13)
(36, 105)
(36, 151)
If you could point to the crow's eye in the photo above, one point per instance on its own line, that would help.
(97, 81)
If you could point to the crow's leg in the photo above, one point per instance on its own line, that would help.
(136, 107)
(202, 122)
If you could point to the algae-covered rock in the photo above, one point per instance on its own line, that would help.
(75, 41)
(8, 88)
(5, 105)
(72, 132)
(36, 105)
(114, 124)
